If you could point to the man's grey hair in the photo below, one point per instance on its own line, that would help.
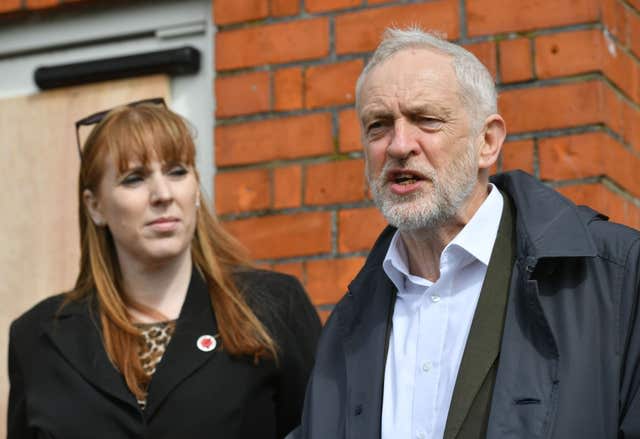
(476, 86)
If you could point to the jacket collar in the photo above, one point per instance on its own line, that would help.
(76, 332)
(372, 296)
(548, 224)
(182, 357)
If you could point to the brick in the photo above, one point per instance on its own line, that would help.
(569, 53)
(234, 11)
(633, 38)
(288, 89)
(283, 236)
(272, 44)
(617, 208)
(613, 113)
(335, 182)
(331, 84)
(486, 53)
(631, 130)
(634, 3)
(42, 4)
(10, 6)
(614, 17)
(557, 106)
(492, 16)
(241, 191)
(243, 94)
(621, 116)
(295, 269)
(589, 155)
(328, 279)
(273, 139)
(287, 187)
(358, 229)
(515, 60)
(283, 8)
(518, 155)
(349, 131)
(330, 5)
(623, 71)
(379, 2)
(362, 31)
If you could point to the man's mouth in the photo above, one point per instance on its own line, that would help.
(404, 177)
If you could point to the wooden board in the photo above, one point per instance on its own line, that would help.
(39, 250)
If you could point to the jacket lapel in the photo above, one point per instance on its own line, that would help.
(77, 335)
(182, 356)
(365, 346)
(483, 343)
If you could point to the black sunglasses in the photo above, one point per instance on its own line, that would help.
(97, 117)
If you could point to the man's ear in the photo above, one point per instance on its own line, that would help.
(493, 135)
(93, 206)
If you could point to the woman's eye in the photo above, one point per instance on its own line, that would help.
(178, 171)
(132, 179)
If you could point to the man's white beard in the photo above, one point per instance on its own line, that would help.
(432, 206)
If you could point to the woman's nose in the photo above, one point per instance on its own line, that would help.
(160, 190)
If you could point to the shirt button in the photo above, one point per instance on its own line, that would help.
(426, 366)
(421, 435)
(435, 298)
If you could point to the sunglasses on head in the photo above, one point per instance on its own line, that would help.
(97, 117)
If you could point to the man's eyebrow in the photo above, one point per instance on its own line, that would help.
(375, 112)
(427, 108)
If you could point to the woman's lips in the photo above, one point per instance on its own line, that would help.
(164, 224)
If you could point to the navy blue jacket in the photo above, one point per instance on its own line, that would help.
(569, 362)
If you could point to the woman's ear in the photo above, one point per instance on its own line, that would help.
(93, 206)
(494, 133)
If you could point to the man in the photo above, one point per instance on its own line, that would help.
(486, 309)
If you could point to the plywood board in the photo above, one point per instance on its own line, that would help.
(39, 251)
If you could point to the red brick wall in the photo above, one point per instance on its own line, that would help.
(290, 182)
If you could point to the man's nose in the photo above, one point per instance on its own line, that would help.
(160, 190)
(403, 143)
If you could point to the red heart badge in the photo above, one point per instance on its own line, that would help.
(206, 343)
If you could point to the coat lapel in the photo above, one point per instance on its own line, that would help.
(182, 356)
(365, 352)
(483, 343)
(76, 334)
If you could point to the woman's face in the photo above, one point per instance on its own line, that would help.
(150, 209)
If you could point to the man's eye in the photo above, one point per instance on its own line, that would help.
(430, 123)
(375, 127)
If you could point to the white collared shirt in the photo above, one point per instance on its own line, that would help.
(431, 323)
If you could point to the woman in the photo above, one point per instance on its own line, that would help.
(168, 332)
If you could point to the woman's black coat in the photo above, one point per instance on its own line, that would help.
(64, 386)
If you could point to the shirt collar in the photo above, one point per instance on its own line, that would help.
(476, 238)
(479, 234)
